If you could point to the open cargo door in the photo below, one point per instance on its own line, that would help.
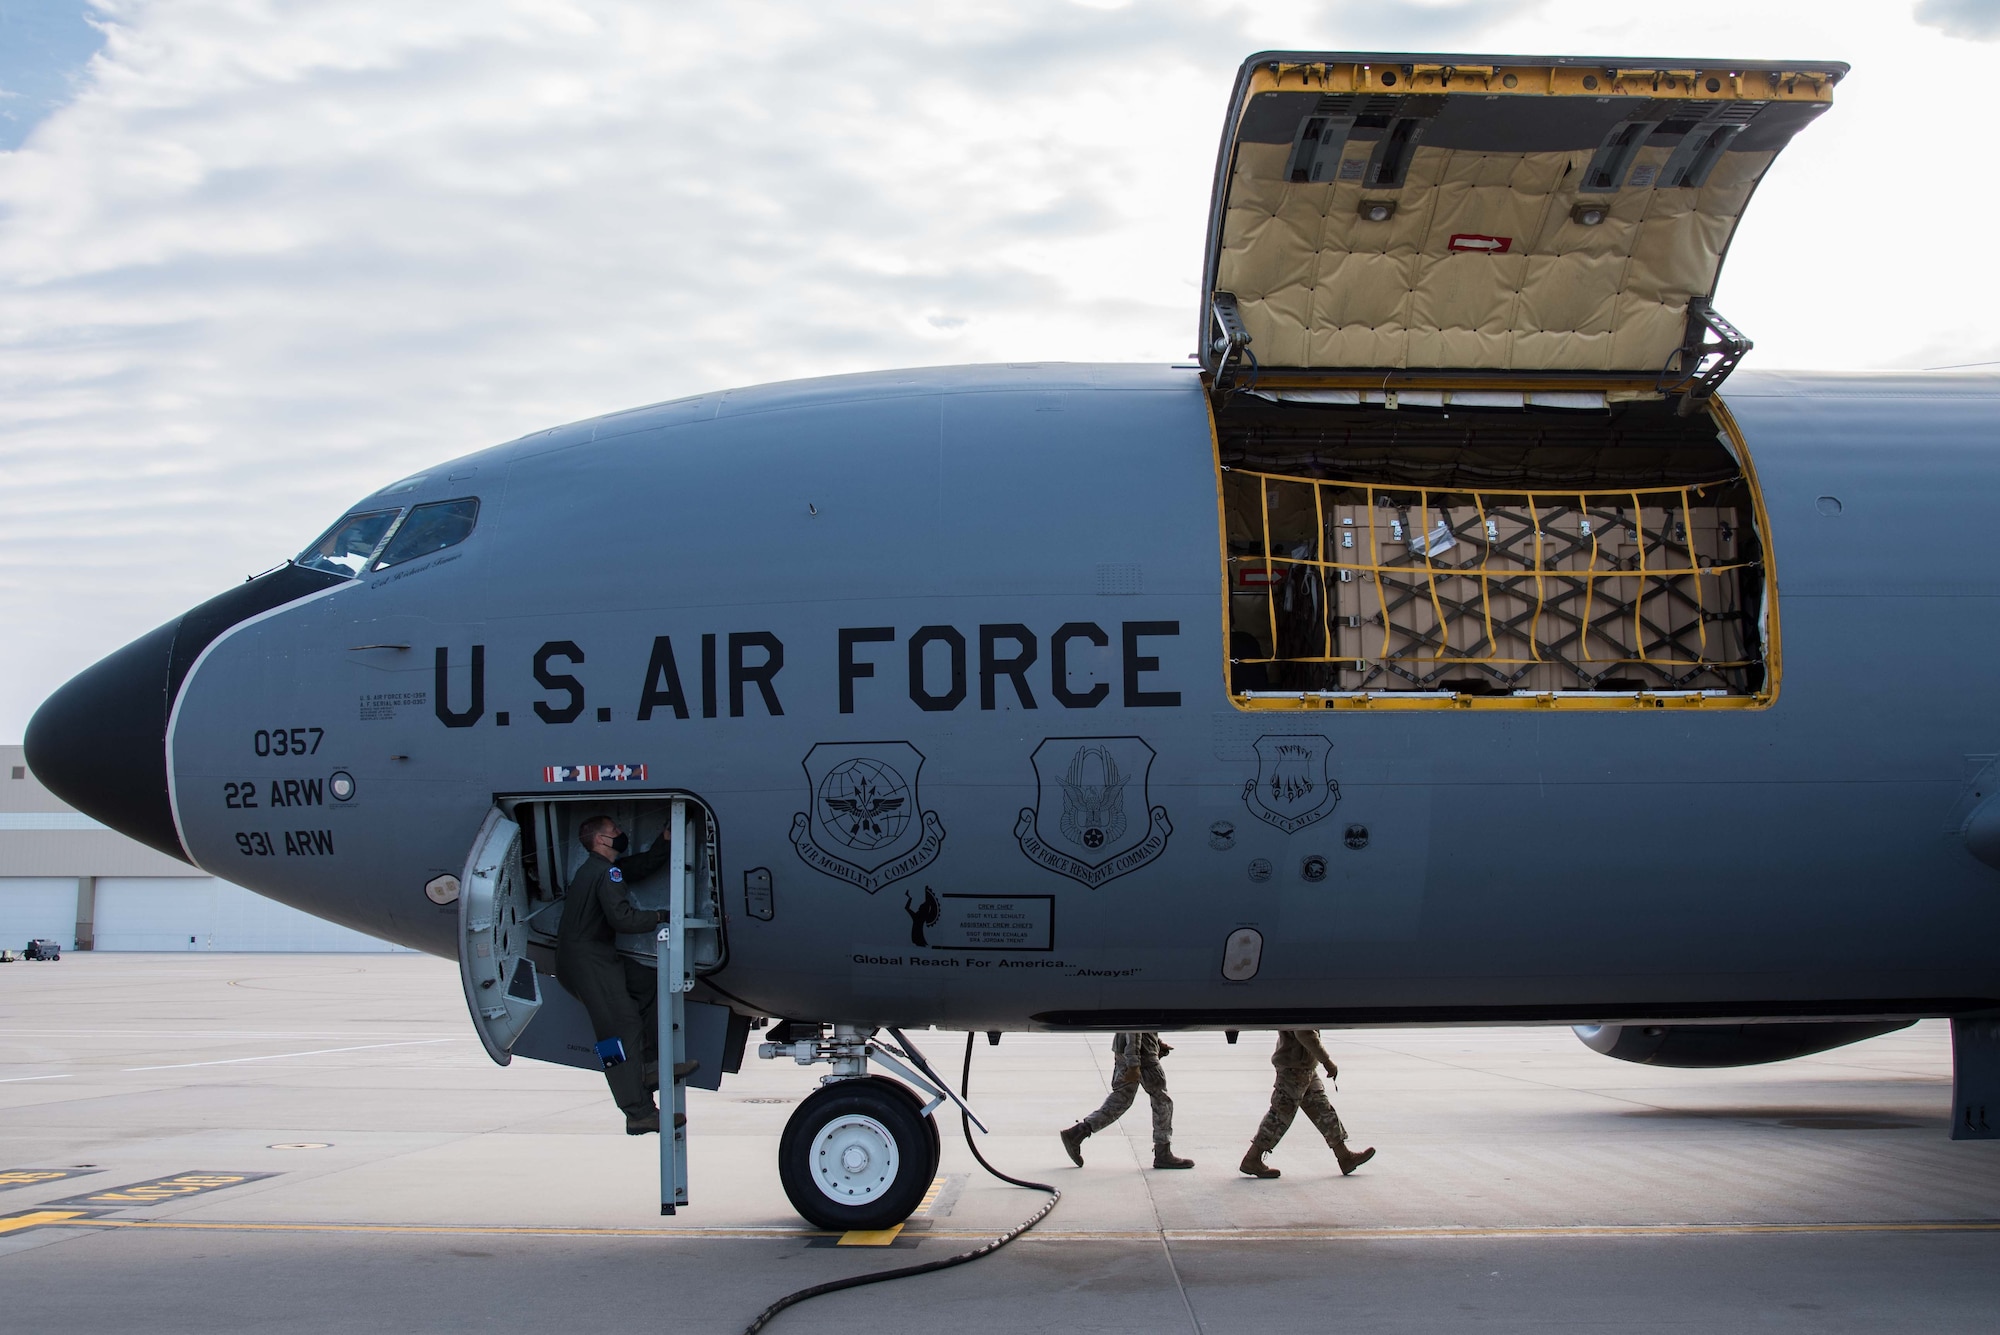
(1558, 220)
(1458, 329)
(501, 989)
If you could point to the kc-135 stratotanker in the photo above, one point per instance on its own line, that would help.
(1441, 648)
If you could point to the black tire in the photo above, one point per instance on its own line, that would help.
(930, 1123)
(887, 1155)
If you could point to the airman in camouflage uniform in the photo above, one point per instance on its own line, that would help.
(1297, 1086)
(1136, 1065)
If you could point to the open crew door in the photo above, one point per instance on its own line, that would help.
(501, 989)
(1555, 220)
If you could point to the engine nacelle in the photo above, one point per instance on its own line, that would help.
(1713, 1045)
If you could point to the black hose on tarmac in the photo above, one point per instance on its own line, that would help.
(924, 1268)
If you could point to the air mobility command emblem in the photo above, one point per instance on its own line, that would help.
(1293, 787)
(1092, 820)
(864, 822)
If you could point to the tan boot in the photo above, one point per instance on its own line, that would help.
(1350, 1159)
(1073, 1139)
(1253, 1164)
(1164, 1157)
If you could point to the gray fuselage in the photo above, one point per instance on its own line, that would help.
(1800, 859)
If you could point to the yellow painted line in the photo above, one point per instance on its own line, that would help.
(1565, 1231)
(476, 1230)
(34, 1177)
(15, 1223)
(869, 1237)
(1441, 1233)
(162, 1190)
(930, 1198)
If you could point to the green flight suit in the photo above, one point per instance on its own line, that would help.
(621, 994)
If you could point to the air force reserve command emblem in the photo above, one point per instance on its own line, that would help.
(1092, 820)
(1293, 787)
(864, 822)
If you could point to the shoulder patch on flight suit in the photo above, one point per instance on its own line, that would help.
(617, 875)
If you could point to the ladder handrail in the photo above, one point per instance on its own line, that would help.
(674, 983)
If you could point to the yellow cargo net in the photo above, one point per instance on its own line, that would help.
(1356, 586)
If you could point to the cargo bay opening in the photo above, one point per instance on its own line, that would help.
(1481, 548)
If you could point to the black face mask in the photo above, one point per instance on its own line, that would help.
(620, 843)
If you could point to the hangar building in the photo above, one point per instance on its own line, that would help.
(66, 877)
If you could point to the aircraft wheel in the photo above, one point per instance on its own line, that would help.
(930, 1123)
(857, 1155)
(917, 1106)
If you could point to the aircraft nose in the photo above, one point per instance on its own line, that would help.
(100, 742)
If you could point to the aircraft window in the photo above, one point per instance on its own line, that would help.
(345, 548)
(431, 528)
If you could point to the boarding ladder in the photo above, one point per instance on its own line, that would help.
(681, 941)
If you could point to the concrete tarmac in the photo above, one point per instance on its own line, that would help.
(317, 1143)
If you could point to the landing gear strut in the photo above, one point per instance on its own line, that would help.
(861, 1150)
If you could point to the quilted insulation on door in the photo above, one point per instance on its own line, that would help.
(1505, 215)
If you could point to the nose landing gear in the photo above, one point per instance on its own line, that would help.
(858, 1154)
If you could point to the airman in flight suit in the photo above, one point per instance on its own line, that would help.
(1297, 1086)
(1135, 1065)
(621, 994)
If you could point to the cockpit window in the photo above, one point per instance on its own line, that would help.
(346, 547)
(431, 528)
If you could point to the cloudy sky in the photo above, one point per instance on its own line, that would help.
(258, 257)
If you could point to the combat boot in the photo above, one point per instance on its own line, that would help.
(1350, 1159)
(682, 1070)
(646, 1121)
(1073, 1139)
(1163, 1157)
(1253, 1164)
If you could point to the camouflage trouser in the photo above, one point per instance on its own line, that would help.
(1126, 1081)
(1297, 1087)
